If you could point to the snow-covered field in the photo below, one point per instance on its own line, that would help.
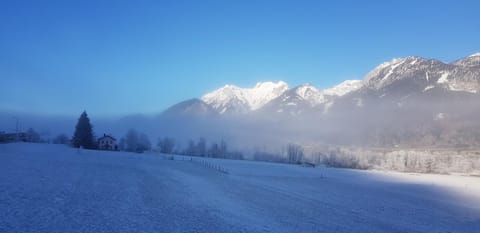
(53, 188)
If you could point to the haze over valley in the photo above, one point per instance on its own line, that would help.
(240, 116)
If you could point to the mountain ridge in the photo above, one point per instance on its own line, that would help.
(414, 74)
(411, 101)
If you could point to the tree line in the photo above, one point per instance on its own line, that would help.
(400, 160)
(135, 141)
(214, 150)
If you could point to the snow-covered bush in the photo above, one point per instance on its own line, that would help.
(424, 161)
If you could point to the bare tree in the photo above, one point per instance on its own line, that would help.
(222, 150)
(190, 150)
(201, 148)
(294, 153)
(166, 145)
(33, 136)
(61, 139)
(143, 143)
(131, 140)
(214, 150)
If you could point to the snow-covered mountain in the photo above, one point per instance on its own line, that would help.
(410, 100)
(274, 96)
(413, 74)
(396, 80)
(470, 61)
(344, 88)
(192, 107)
(306, 97)
(233, 99)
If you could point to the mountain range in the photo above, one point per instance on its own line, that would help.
(404, 103)
(411, 101)
(399, 78)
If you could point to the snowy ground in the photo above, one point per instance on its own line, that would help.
(52, 188)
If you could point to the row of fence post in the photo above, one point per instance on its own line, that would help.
(206, 164)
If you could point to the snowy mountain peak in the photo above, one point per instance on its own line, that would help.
(264, 92)
(398, 78)
(231, 98)
(389, 72)
(223, 94)
(269, 85)
(309, 93)
(470, 61)
(344, 88)
(475, 55)
(393, 62)
(305, 89)
(391, 65)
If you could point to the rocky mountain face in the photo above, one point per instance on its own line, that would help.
(407, 101)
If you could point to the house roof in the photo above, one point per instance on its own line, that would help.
(106, 136)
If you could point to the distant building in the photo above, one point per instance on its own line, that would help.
(107, 142)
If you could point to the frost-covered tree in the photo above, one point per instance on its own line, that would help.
(143, 143)
(166, 145)
(131, 140)
(33, 136)
(136, 142)
(122, 144)
(201, 149)
(223, 149)
(218, 150)
(214, 150)
(83, 136)
(294, 153)
(61, 139)
(190, 150)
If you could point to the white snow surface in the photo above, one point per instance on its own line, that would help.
(310, 93)
(344, 88)
(54, 188)
(393, 67)
(384, 73)
(394, 63)
(231, 96)
(428, 88)
(475, 55)
(314, 96)
(443, 78)
(254, 98)
(454, 85)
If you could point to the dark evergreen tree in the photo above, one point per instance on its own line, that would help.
(83, 136)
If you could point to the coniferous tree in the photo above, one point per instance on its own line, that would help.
(83, 136)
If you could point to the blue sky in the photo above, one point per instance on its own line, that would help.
(121, 57)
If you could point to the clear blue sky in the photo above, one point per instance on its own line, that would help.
(118, 57)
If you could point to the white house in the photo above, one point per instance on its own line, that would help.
(107, 142)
